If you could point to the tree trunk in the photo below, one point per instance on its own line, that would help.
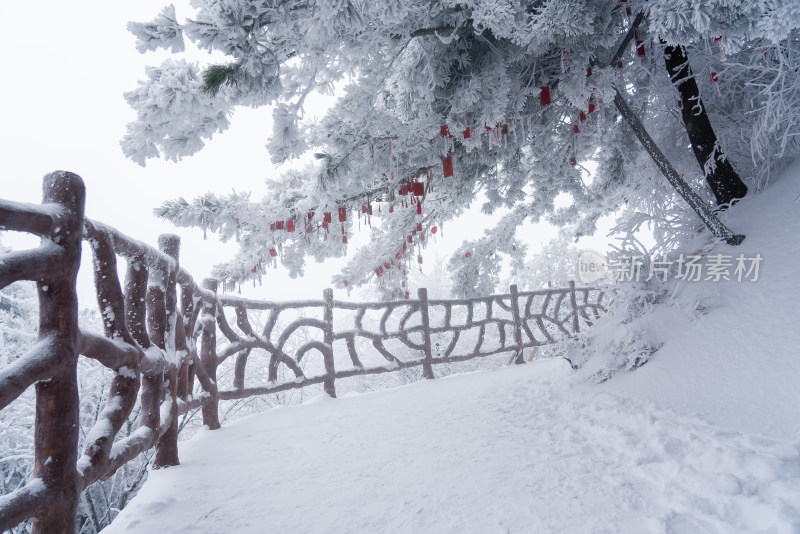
(723, 180)
(684, 190)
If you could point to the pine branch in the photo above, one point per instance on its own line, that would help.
(215, 76)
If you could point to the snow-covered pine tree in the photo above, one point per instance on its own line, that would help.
(508, 95)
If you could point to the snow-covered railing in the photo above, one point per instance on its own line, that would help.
(151, 339)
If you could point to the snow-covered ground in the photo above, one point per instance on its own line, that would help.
(704, 438)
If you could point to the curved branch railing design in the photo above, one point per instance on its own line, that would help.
(152, 337)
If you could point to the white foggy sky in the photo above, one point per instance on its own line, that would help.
(66, 66)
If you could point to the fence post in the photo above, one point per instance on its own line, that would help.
(208, 354)
(519, 359)
(573, 300)
(167, 445)
(330, 370)
(427, 363)
(57, 419)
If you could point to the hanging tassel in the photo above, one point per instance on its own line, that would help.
(419, 208)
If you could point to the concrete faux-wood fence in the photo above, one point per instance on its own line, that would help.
(152, 336)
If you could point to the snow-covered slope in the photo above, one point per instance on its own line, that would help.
(704, 438)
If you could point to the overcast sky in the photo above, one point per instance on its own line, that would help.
(66, 67)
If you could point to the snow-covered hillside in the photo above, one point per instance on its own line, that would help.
(703, 438)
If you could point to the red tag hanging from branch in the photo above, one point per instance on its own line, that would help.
(582, 116)
(640, 48)
(290, 225)
(504, 129)
(592, 108)
(326, 217)
(342, 214)
(588, 71)
(544, 95)
(273, 252)
(467, 132)
(576, 129)
(434, 229)
(447, 166)
(714, 80)
(419, 189)
(279, 225)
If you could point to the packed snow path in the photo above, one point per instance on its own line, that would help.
(511, 450)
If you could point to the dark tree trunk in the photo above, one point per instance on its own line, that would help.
(721, 176)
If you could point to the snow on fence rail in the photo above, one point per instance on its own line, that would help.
(151, 339)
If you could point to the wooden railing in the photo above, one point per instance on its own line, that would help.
(151, 339)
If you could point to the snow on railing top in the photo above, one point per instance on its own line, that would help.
(152, 336)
